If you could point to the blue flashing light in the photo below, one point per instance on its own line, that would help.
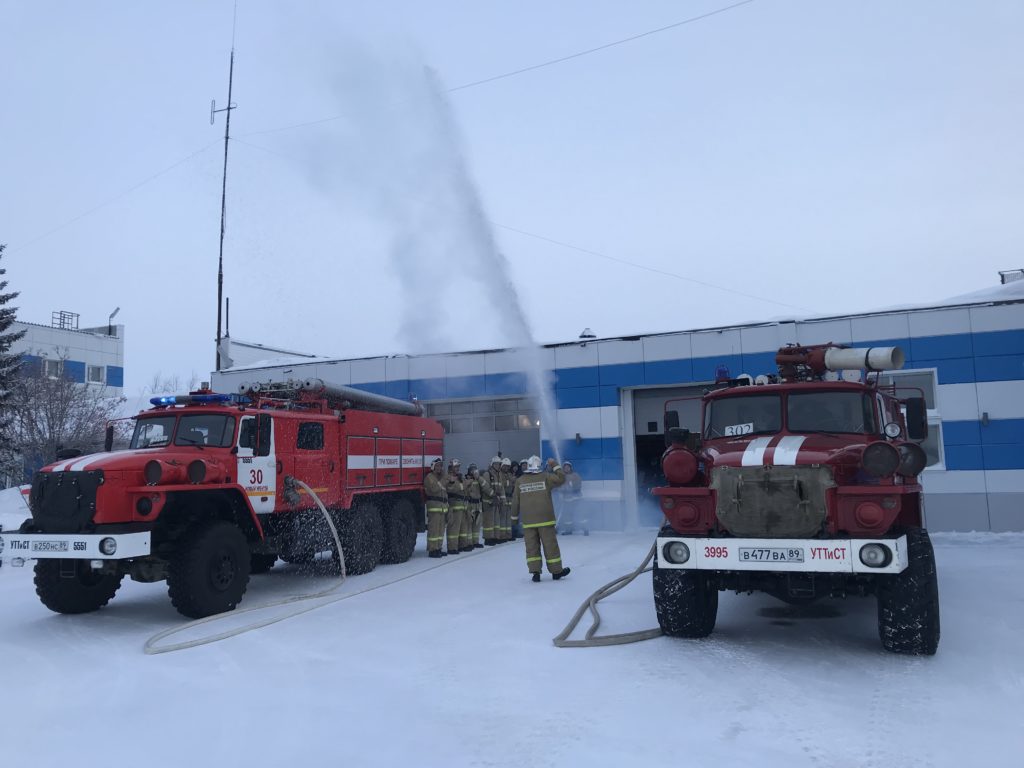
(211, 399)
(721, 373)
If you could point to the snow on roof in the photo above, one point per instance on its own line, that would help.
(1011, 292)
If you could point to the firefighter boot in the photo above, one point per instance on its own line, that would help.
(435, 553)
(536, 576)
(561, 574)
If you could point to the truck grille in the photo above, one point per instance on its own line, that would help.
(64, 502)
(772, 502)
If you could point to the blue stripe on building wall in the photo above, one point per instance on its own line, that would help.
(958, 358)
(593, 386)
(31, 366)
(74, 371)
(971, 445)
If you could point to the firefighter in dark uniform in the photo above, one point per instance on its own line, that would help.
(437, 507)
(474, 499)
(456, 509)
(531, 504)
(493, 491)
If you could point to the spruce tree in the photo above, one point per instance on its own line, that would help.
(8, 363)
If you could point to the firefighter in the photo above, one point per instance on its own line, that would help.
(509, 479)
(571, 509)
(531, 502)
(493, 490)
(474, 498)
(437, 508)
(456, 507)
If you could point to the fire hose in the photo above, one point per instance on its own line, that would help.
(591, 639)
(324, 597)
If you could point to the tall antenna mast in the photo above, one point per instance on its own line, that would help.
(224, 184)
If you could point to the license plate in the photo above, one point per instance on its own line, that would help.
(49, 546)
(772, 554)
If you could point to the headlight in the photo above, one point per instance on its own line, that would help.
(108, 546)
(197, 471)
(153, 471)
(913, 459)
(875, 555)
(676, 552)
(144, 506)
(880, 459)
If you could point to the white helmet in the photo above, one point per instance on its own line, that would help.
(533, 464)
(506, 462)
(495, 459)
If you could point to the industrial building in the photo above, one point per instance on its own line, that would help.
(966, 355)
(92, 356)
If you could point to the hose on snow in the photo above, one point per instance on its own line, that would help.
(591, 639)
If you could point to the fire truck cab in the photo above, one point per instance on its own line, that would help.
(803, 486)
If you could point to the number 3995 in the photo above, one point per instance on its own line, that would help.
(716, 551)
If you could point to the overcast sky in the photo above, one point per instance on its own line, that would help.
(790, 156)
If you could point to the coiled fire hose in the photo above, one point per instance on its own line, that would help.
(324, 597)
(591, 639)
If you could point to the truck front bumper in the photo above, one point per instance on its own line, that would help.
(18, 548)
(886, 555)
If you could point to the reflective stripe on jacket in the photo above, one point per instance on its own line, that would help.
(531, 498)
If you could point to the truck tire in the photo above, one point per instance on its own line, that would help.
(399, 525)
(83, 592)
(209, 571)
(686, 605)
(261, 563)
(908, 603)
(362, 537)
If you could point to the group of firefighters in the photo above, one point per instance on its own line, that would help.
(500, 503)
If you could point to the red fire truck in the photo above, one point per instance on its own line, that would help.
(801, 487)
(206, 494)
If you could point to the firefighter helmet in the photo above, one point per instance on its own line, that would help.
(533, 464)
(506, 462)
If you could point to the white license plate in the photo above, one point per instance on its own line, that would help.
(772, 554)
(49, 546)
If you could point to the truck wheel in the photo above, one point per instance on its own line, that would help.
(80, 591)
(260, 563)
(399, 524)
(908, 603)
(362, 537)
(686, 605)
(210, 570)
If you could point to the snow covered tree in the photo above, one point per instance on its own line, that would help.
(8, 369)
(54, 413)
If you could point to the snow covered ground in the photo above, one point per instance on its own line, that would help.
(455, 667)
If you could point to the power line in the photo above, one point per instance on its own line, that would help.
(604, 47)
(114, 199)
(462, 87)
(590, 252)
(533, 67)
(646, 268)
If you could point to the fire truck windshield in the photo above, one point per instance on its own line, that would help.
(842, 412)
(747, 415)
(153, 432)
(212, 429)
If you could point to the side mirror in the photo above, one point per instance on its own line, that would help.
(671, 420)
(108, 439)
(263, 425)
(917, 418)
